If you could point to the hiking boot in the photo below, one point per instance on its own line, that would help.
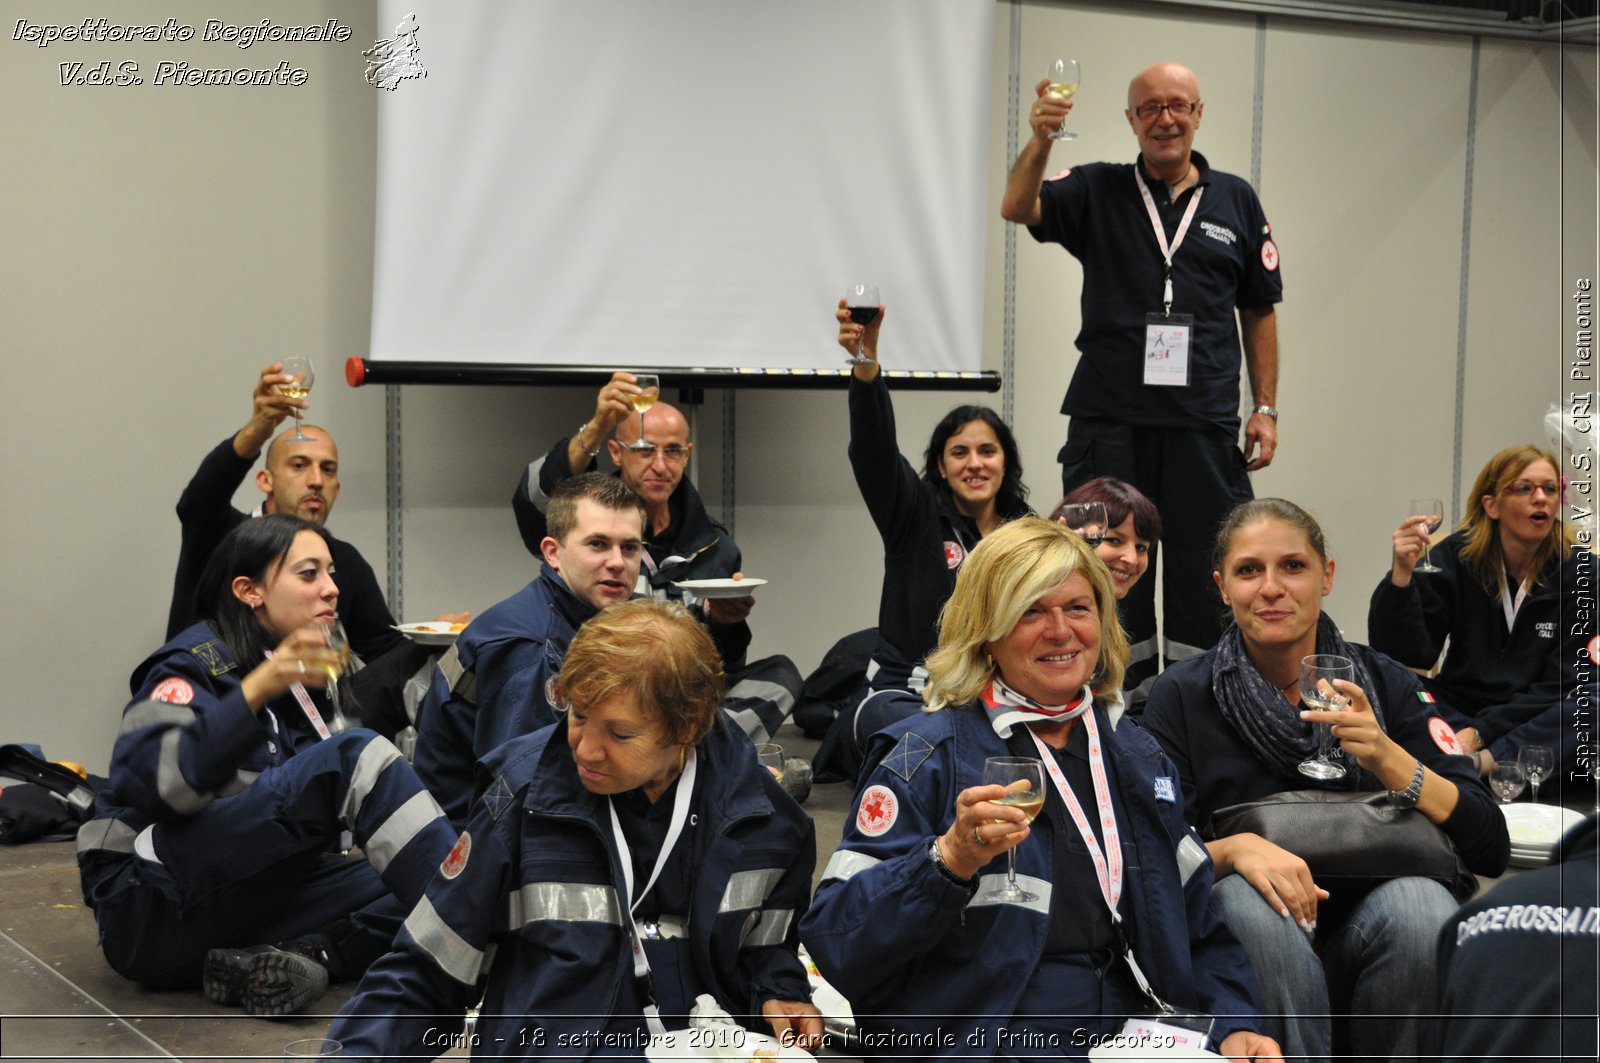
(266, 979)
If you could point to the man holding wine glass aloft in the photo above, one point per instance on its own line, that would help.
(651, 449)
(1170, 249)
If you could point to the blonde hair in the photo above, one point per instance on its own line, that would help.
(654, 651)
(1007, 572)
(1481, 552)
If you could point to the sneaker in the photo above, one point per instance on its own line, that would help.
(266, 979)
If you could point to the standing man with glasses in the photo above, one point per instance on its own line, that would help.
(1171, 250)
(682, 541)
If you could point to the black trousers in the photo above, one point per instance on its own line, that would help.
(1195, 476)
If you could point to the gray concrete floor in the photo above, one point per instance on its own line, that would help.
(61, 1001)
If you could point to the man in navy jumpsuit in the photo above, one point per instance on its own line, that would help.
(1163, 418)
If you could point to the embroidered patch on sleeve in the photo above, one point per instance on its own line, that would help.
(879, 809)
(1165, 790)
(908, 755)
(1269, 255)
(212, 657)
(456, 861)
(174, 690)
(1444, 736)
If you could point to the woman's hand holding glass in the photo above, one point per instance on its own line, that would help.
(304, 657)
(983, 829)
(1412, 541)
(1356, 729)
(860, 339)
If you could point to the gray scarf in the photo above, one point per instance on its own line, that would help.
(1269, 725)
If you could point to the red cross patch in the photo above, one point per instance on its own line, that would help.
(879, 809)
(1444, 736)
(456, 861)
(173, 690)
(1269, 255)
(954, 554)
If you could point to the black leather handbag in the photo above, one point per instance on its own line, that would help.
(1353, 839)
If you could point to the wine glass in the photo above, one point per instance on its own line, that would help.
(1088, 519)
(1064, 75)
(1537, 762)
(771, 756)
(1317, 673)
(862, 299)
(1433, 509)
(1007, 772)
(298, 387)
(649, 391)
(1507, 781)
(339, 642)
(311, 1048)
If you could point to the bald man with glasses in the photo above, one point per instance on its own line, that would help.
(682, 541)
(1180, 284)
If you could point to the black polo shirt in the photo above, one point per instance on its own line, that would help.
(1227, 260)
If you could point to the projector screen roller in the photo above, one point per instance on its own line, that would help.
(680, 183)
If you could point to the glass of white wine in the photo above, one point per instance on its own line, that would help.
(771, 756)
(1008, 772)
(1433, 509)
(1317, 673)
(339, 643)
(862, 299)
(1065, 76)
(302, 376)
(649, 391)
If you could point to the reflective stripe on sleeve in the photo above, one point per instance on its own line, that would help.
(443, 945)
(173, 789)
(396, 832)
(771, 929)
(845, 863)
(376, 755)
(150, 713)
(1192, 856)
(747, 889)
(563, 902)
(990, 887)
(110, 835)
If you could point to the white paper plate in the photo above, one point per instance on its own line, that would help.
(731, 1043)
(429, 633)
(721, 588)
(1131, 1053)
(1529, 859)
(1538, 825)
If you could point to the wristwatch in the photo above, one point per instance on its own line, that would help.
(1270, 411)
(1407, 798)
(944, 868)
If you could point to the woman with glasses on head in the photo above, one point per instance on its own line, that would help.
(1514, 597)
(970, 483)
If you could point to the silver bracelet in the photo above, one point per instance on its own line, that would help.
(577, 437)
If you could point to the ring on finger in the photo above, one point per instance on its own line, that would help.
(302, 665)
(977, 839)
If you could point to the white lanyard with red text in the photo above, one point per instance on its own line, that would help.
(680, 816)
(307, 707)
(1512, 605)
(1107, 862)
(1167, 253)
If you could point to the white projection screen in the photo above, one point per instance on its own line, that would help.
(682, 183)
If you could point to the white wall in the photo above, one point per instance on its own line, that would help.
(161, 244)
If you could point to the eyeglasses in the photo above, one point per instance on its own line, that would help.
(672, 452)
(1523, 488)
(1178, 109)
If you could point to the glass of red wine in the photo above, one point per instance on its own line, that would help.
(862, 299)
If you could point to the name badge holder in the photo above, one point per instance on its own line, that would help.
(641, 962)
(1167, 335)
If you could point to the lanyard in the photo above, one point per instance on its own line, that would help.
(1161, 233)
(1107, 861)
(1512, 605)
(680, 815)
(309, 708)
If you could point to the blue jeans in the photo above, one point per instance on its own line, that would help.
(1375, 968)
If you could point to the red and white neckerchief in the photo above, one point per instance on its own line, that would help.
(308, 707)
(680, 816)
(1161, 234)
(1007, 708)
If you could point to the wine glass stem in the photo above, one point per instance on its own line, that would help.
(1535, 791)
(1011, 869)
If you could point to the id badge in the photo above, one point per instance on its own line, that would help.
(1175, 1029)
(1166, 349)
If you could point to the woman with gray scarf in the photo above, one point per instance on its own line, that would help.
(1232, 722)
